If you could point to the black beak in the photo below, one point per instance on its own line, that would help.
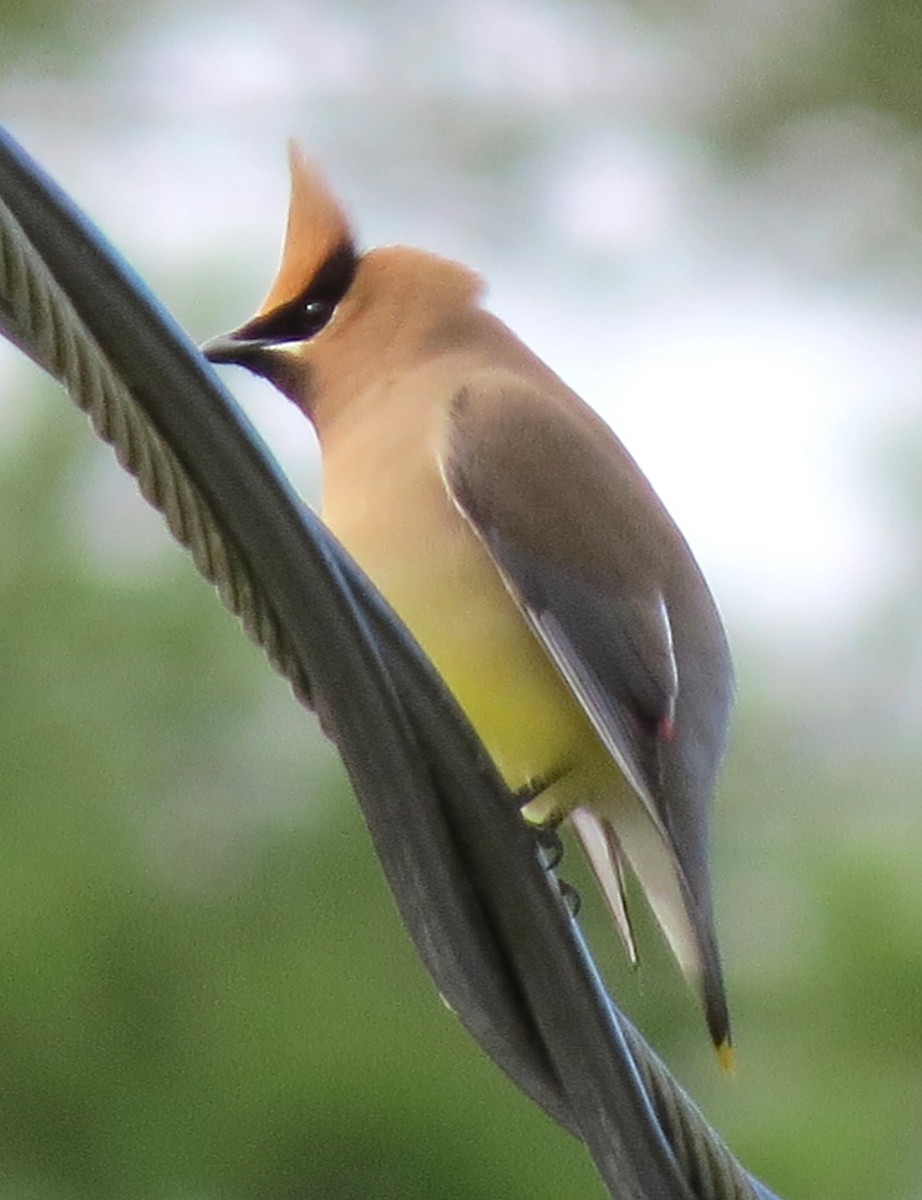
(260, 355)
(235, 348)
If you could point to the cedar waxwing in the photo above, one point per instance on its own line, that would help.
(524, 549)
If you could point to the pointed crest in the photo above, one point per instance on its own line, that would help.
(317, 227)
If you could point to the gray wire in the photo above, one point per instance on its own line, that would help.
(43, 323)
(39, 317)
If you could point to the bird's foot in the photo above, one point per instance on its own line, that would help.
(539, 801)
(542, 810)
(550, 846)
(571, 898)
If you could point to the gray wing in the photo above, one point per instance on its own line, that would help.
(613, 593)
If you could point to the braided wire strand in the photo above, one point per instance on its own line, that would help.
(42, 320)
(707, 1161)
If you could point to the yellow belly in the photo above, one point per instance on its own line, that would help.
(473, 632)
(438, 577)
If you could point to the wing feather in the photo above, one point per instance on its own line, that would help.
(604, 577)
(612, 591)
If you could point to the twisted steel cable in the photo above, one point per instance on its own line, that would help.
(42, 320)
(37, 314)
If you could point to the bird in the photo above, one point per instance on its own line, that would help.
(517, 539)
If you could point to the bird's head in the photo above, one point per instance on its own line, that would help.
(335, 318)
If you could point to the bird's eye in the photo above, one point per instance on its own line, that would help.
(318, 312)
(305, 315)
(294, 322)
(315, 314)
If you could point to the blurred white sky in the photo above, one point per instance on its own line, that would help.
(694, 309)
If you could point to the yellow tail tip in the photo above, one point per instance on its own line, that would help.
(726, 1058)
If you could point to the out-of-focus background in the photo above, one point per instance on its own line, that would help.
(707, 218)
